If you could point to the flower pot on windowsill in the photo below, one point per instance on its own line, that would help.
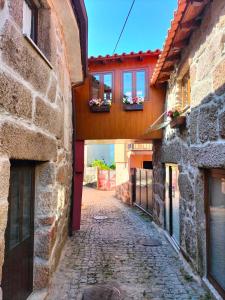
(132, 107)
(178, 122)
(99, 109)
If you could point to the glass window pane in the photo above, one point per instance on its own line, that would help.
(167, 199)
(95, 86)
(27, 19)
(176, 204)
(127, 84)
(217, 229)
(107, 86)
(27, 199)
(140, 84)
(14, 208)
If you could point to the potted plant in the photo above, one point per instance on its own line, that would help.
(99, 105)
(132, 104)
(177, 121)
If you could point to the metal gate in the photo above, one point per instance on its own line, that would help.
(142, 189)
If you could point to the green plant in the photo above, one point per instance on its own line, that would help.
(100, 163)
(113, 166)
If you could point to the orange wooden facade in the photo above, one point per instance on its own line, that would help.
(118, 124)
(136, 159)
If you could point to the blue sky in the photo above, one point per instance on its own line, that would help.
(146, 27)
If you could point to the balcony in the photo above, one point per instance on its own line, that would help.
(106, 80)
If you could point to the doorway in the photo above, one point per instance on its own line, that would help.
(172, 203)
(17, 280)
(215, 212)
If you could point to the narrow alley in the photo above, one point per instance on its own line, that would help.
(117, 247)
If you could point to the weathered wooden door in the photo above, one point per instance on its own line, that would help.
(17, 280)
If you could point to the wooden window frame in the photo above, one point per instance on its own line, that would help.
(101, 80)
(216, 173)
(134, 81)
(34, 9)
(187, 75)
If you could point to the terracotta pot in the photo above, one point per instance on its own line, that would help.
(132, 107)
(102, 108)
(178, 122)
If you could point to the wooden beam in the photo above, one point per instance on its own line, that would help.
(163, 79)
(197, 2)
(168, 69)
(140, 58)
(189, 25)
(179, 44)
(173, 57)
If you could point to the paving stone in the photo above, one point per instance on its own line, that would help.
(113, 253)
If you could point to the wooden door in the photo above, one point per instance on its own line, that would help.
(17, 280)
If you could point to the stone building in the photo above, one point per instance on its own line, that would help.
(42, 55)
(191, 158)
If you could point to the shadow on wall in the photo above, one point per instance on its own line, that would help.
(199, 147)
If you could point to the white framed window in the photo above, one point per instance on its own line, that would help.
(30, 19)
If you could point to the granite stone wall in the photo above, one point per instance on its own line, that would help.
(36, 124)
(201, 145)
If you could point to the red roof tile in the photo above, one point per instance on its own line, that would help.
(125, 55)
(187, 11)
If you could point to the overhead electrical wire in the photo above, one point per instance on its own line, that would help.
(124, 25)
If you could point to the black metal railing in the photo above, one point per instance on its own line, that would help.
(142, 189)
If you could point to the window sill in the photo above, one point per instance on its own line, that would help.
(38, 50)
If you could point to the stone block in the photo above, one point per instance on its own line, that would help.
(219, 78)
(52, 90)
(222, 125)
(193, 126)
(16, 11)
(4, 179)
(21, 56)
(14, 97)
(207, 123)
(190, 239)
(46, 174)
(201, 92)
(48, 118)
(185, 187)
(2, 254)
(46, 221)
(3, 216)
(172, 152)
(42, 274)
(19, 142)
(46, 203)
(44, 28)
(2, 4)
(209, 156)
(44, 241)
(63, 176)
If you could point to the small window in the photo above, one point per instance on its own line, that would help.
(134, 84)
(96, 86)
(30, 17)
(186, 91)
(102, 86)
(107, 79)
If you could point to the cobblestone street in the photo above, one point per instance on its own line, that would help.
(124, 251)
